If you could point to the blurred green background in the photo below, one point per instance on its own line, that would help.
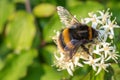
(26, 46)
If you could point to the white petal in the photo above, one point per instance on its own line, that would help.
(56, 57)
(108, 58)
(96, 60)
(87, 62)
(71, 66)
(70, 71)
(79, 64)
(94, 67)
(99, 69)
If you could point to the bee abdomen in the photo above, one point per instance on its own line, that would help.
(60, 43)
(67, 38)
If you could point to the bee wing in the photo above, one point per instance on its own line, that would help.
(66, 17)
(73, 42)
(73, 50)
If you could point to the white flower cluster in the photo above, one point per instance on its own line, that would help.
(100, 52)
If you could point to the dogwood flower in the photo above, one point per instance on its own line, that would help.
(113, 55)
(93, 18)
(102, 65)
(92, 62)
(104, 15)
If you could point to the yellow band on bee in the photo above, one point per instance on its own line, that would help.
(90, 33)
(67, 39)
(66, 35)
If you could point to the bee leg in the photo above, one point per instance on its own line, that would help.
(69, 51)
(74, 50)
(85, 49)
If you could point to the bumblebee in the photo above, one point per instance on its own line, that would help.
(74, 35)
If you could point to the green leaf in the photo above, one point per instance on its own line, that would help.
(90, 3)
(86, 77)
(110, 74)
(2, 64)
(50, 74)
(17, 64)
(117, 39)
(115, 9)
(48, 54)
(6, 9)
(116, 70)
(42, 72)
(80, 72)
(84, 8)
(91, 76)
(100, 76)
(80, 10)
(35, 71)
(35, 2)
(53, 25)
(19, 1)
(37, 39)
(44, 10)
(72, 3)
(20, 31)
